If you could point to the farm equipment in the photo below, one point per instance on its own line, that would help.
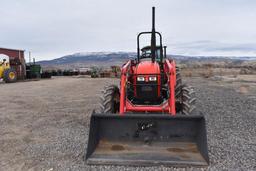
(95, 72)
(7, 73)
(148, 120)
(33, 71)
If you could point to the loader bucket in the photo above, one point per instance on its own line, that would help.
(147, 139)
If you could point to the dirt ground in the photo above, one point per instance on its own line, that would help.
(44, 124)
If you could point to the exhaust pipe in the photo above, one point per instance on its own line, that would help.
(153, 36)
(146, 140)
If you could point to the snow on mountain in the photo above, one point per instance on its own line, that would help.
(89, 57)
(117, 58)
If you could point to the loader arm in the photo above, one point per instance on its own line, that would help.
(124, 72)
(170, 67)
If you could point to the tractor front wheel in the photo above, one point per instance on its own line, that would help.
(10, 75)
(109, 101)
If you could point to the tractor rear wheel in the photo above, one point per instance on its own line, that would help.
(178, 91)
(188, 100)
(184, 95)
(10, 75)
(109, 101)
(178, 86)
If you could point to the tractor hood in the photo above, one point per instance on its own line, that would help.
(147, 67)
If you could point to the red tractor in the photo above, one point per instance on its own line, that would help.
(147, 116)
(150, 83)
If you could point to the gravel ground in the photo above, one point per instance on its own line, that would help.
(44, 124)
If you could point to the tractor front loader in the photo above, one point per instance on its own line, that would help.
(148, 119)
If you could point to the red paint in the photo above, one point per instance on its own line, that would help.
(124, 71)
(149, 69)
(145, 108)
(171, 70)
(12, 53)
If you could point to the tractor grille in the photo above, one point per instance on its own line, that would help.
(146, 91)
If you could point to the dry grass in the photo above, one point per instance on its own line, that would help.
(243, 89)
(209, 72)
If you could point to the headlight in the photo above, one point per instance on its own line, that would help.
(152, 78)
(140, 78)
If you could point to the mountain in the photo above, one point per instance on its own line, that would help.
(90, 59)
(107, 59)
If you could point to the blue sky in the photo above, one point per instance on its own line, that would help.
(51, 29)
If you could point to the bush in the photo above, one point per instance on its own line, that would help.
(208, 73)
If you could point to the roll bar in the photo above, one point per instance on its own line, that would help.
(153, 40)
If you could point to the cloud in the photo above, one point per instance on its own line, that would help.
(55, 28)
(211, 47)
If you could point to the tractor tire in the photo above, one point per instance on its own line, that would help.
(188, 100)
(178, 91)
(109, 101)
(10, 75)
(178, 86)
